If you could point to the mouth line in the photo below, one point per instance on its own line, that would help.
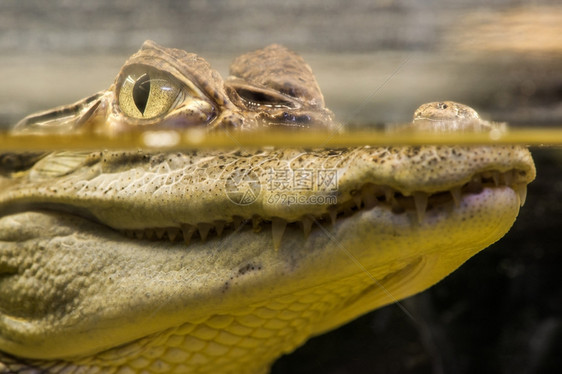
(367, 197)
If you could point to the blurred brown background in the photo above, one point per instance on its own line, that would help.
(376, 61)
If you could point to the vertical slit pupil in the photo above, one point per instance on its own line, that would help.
(141, 91)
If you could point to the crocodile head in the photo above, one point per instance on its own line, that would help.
(220, 261)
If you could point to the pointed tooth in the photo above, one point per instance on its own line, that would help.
(389, 194)
(159, 232)
(508, 178)
(523, 193)
(172, 233)
(307, 222)
(521, 189)
(187, 232)
(496, 178)
(420, 200)
(219, 227)
(256, 224)
(368, 196)
(456, 193)
(204, 229)
(278, 226)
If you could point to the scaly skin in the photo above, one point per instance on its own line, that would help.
(121, 262)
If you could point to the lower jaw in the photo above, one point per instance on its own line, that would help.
(393, 254)
(417, 263)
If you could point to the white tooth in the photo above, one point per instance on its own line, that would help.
(508, 178)
(187, 231)
(496, 177)
(389, 194)
(219, 227)
(278, 226)
(420, 200)
(256, 224)
(521, 189)
(172, 233)
(159, 232)
(357, 200)
(204, 230)
(368, 196)
(456, 193)
(307, 225)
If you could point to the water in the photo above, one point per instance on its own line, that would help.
(197, 138)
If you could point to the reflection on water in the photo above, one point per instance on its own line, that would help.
(193, 139)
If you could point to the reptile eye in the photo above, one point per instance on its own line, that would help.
(147, 93)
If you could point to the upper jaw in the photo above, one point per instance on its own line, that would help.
(193, 197)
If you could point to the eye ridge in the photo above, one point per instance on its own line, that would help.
(141, 92)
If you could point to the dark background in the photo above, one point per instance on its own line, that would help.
(376, 61)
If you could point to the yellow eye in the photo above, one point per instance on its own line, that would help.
(147, 93)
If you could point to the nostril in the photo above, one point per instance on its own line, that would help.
(443, 106)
